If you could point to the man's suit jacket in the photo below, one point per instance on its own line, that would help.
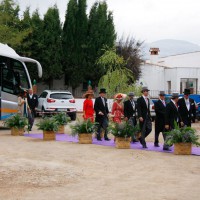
(142, 109)
(187, 115)
(32, 102)
(99, 107)
(160, 110)
(172, 115)
(128, 109)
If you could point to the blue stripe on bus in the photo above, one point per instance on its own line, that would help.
(6, 116)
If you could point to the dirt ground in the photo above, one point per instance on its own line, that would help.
(31, 169)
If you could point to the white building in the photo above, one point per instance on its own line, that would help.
(171, 73)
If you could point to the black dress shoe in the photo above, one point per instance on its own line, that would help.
(144, 146)
(166, 149)
(107, 139)
(156, 145)
(99, 139)
(140, 140)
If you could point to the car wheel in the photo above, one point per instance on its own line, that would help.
(73, 117)
(43, 112)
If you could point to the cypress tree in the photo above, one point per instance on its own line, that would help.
(52, 52)
(74, 41)
(102, 36)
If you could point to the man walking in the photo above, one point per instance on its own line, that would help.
(187, 108)
(130, 111)
(143, 108)
(101, 110)
(172, 113)
(160, 110)
(32, 100)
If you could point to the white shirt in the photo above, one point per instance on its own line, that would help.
(103, 100)
(187, 103)
(146, 100)
(132, 103)
(163, 101)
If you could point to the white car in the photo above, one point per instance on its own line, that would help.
(53, 101)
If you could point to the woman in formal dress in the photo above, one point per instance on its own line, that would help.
(22, 104)
(117, 109)
(88, 106)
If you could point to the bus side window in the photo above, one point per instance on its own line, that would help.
(9, 83)
(2, 65)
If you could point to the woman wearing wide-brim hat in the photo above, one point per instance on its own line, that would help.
(118, 109)
(88, 107)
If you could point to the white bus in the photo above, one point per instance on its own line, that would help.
(14, 76)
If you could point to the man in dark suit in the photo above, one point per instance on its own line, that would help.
(143, 108)
(172, 113)
(101, 110)
(187, 108)
(160, 109)
(130, 111)
(32, 100)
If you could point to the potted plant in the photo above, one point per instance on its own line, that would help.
(17, 124)
(84, 130)
(49, 127)
(123, 132)
(182, 138)
(61, 119)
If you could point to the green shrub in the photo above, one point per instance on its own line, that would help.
(83, 127)
(48, 124)
(182, 135)
(123, 129)
(16, 121)
(61, 118)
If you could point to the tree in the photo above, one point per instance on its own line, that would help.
(52, 52)
(117, 75)
(130, 50)
(74, 41)
(10, 31)
(101, 34)
(33, 42)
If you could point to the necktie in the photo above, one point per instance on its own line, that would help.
(103, 101)
(163, 102)
(146, 99)
(133, 104)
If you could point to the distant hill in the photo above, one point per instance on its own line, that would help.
(170, 47)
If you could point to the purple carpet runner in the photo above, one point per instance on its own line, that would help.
(137, 145)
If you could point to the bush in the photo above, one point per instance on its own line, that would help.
(61, 118)
(123, 129)
(16, 121)
(83, 127)
(48, 124)
(182, 135)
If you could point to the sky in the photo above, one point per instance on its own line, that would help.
(145, 20)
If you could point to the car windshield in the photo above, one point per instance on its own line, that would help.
(61, 96)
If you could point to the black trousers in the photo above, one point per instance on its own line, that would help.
(159, 127)
(102, 125)
(146, 128)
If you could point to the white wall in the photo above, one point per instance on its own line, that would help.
(182, 60)
(153, 76)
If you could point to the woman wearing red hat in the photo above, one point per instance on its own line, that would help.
(117, 109)
(88, 108)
